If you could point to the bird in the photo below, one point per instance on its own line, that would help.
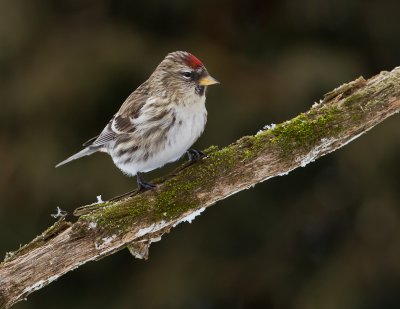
(159, 121)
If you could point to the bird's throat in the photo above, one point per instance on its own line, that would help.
(200, 90)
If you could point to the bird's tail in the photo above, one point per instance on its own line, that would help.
(84, 152)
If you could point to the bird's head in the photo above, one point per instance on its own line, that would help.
(183, 72)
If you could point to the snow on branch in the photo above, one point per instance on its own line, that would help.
(138, 220)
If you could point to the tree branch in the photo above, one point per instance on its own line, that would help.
(135, 222)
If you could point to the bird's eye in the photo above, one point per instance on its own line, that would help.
(187, 74)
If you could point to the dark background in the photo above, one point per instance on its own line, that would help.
(325, 236)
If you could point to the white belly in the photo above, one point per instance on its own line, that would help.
(188, 126)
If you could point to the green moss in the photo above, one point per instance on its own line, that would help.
(306, 129)
(172, 200)
(176, 194)
(176, 197)
(354, 98)
(211, 149)
(248, 154)
(55, 229)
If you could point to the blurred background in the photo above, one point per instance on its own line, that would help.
(325, 236)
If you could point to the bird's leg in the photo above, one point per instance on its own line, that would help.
(143, 186)
(195, 155)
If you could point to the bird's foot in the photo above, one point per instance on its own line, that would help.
(142, 185)
(195, 155)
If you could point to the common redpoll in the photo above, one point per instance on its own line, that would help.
(159, 121)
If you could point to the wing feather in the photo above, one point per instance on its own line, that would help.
(122, 122)
(137, 105)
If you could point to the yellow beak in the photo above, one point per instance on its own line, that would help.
(207, 81)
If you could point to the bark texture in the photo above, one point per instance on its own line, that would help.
(136, 221)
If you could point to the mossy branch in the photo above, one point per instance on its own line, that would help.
(135, 222)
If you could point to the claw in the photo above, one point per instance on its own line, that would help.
(142, 185)
(195, 155)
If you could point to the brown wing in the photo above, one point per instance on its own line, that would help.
(132, 105)
(122, 121)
